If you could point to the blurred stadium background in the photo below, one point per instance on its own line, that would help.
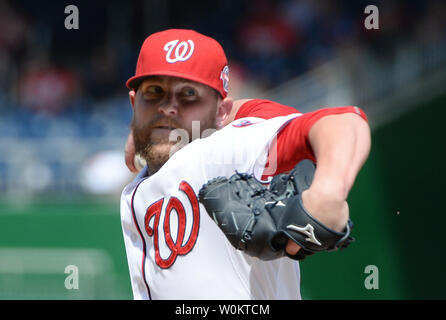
(64, 119)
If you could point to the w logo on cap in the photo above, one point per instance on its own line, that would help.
(183, 50)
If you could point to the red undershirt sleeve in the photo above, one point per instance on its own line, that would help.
(292, 144)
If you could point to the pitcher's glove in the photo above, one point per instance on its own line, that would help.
(260, 221)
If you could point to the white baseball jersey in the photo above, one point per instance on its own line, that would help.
(175, 250)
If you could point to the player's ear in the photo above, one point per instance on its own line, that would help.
(132, 95)
(223, 112)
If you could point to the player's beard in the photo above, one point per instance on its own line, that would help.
(157, 151)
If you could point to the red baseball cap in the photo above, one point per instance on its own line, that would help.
(185, 54)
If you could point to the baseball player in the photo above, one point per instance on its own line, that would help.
(175, 248)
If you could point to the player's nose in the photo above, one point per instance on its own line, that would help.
(169, 108)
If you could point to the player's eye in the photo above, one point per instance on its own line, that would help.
(189, 92)
(154, 90)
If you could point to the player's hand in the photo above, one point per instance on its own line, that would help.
(130, 153)
(332, 212)
(292, 248)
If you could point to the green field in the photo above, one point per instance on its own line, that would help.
(45, 236)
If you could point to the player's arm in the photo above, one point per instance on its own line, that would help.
(337, 139)
(340, 144)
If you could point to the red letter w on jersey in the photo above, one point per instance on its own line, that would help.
(176, 246)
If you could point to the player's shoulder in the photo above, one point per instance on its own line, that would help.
(261, 108)
(247, 104)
